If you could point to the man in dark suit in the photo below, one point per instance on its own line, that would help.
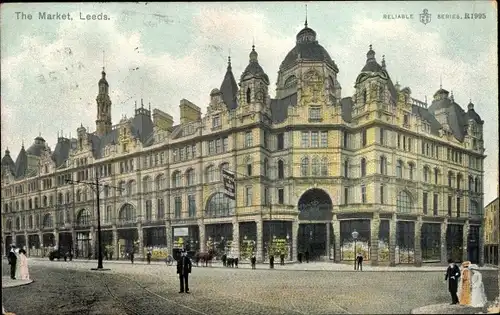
(183, 270)
(12, 262)
(452, 275)
(359, 261)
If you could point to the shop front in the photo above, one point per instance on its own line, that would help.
(186, 237)
(248, 240)
(454, 242)
(277, 238)
(383, 240)
(155, 240)
(350, 246)
(431, 242)
(405, 242)
(219, 239)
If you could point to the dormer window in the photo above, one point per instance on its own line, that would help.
(216, 121)
(46, 169)
(315, 113)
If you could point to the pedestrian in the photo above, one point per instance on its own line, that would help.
(131, 254)
(148, 257)
(359, 262)
(253, 260)
(271, 261)
(23, 269)
(307, 256)
(300, 257)
(282, 258)
(12, 262)
(236, 262)
(224, 259)
(183, 270)
(452, 275)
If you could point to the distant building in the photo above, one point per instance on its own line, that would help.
(491, 232)
(311, 167)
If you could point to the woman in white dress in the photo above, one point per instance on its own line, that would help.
(18, 264)
(478, 296)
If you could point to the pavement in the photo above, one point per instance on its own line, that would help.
(447, 309)
(311, 266)
(7, 282)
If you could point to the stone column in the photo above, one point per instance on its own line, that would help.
(374, 231)
(116, 253)
(444, 250)
(202, 240)
(328, 241)
(417, 255)
(259, 255)
(168, 234)
(392, 240)
(56, 238)
(295, 236)
(336, 234)
(235, 245)
(465, 252)
(481, 245)
(140, 232)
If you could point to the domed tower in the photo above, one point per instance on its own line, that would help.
(474, 128)
(309, 71)
(373, 84)
(254, 83)
(103, 122)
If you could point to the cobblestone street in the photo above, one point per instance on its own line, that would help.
(71, 288)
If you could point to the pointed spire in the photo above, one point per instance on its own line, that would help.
(383, 62)
(229, 68)
(22, 144)
(305, 24)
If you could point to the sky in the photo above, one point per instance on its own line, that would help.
(164, 52)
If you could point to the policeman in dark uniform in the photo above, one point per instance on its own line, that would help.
(183, 270)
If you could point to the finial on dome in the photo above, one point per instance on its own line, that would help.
(253, 54)
(135, 105)
(441, 81)
(142, 104)
(305, 24)
(370, 46)
(471, 105)
(451, 96)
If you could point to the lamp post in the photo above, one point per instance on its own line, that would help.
(354, 235)
(96, 186)
(288, 245)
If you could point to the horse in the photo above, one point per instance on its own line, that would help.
(205, 257)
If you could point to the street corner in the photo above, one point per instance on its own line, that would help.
(7, 282)
(446, 309)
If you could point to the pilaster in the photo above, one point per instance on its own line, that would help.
(465, 252)
(73, 241)
(328, 245)
(235, 245)
(444, 249)
(336, 234)
(392, 241)
(374, 231)
(295, 236)
(116, 254)
(202, 240)
(259, 255)
(56, 238)
(417, 255)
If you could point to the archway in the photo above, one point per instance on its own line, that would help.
(315, 236)
(126, 214)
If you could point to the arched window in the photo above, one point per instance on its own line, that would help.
(219, 205)
(363, 167)
(68, 197)
(159, 182)
(17, 205)
(249, 94)
(78, 195)
(450, 179)
(426, 174)
(315, 166)
(83, 218)
(36, 203)
(324, 166)
(22, 205)
(44, 201)
(403, 203)
(176, 179)
(477, 187)
(60, 198)
(190, 177)
(471, 183)
(266, 167)
(18, 223)
(474, 208)
(399, 169)
(249, 166)
(304, 166)
(281, 169)
(346, 168)
(210, 174)
(9, 225)
(459, 181)
(84, 195)
(146, 184)
(127, 213)
(411, 168)
(436, 176)
(30, 222)
(47, 221)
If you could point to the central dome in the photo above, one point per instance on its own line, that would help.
(307, 48)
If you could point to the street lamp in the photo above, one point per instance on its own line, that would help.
(355, 235)
(288, 245)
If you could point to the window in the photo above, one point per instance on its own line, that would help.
(363, 194)
(406, 120)
(281, 169)
(324, 166)
(476, 188)
(458, 206)
(346, 139)
(219, 205)
(381, 136)
(305, 139)
(346, 168)
(281, 196)
(249, 167)
(450, 179)
(363, 167)
(409, 144)
(191, 178)
(363, 138)
(315, 166)
(411, 167)
(266, 167)
(304, 167)
(346, 195)
(324, 139)
(383, 165)
(426, 174)
(449, 205)
(176, 183)
(471, 183)
(249, 96)
(192, 205)
(403, 202)
(382, 194)
(248, 196)
(474, 208)
(436, 176)
(314, 139)
(149, 210)
(435, 204)
(315, 114)
(177, 206)
(160, 214)
(399, 169)
(267, 200)
(280, 139)
(216, 121)
(248, 139)
(424, 202)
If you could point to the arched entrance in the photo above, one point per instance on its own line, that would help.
(315, 231)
